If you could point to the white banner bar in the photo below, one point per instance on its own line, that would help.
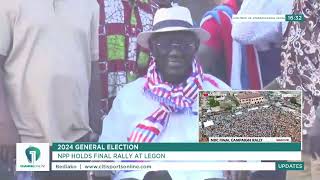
(191, 166)
(175, 156)
(258, 18)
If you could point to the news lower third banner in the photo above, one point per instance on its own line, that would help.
(158, 156)
(175, 151)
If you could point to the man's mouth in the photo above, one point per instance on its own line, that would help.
(175, 62)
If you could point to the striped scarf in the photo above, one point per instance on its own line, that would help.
(172, 99)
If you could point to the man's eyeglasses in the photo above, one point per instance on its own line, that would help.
(188, 48)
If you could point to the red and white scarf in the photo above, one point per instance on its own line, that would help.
(172, 99)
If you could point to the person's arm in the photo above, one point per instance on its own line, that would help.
(8, 11)
(9, 132)
(8, 135)
(95, 90)
(4, 111)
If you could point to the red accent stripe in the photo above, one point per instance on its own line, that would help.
(145, 138)
(134, 135)
(175, 90)
(225, 28)
(187, 90)
(150, 82)
(139, 138)
(161, 93)
(157, 114)
(198, 83)
(211, 81)
(253, 69)
(166, 95)
(150, 140)
(194, 96)
(195, 91)
(152, 129)
(157, 91)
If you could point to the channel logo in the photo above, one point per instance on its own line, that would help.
(33, 157)
(33, 154)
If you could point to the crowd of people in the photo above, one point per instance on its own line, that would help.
(271, 121)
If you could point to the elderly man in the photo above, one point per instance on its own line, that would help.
(162, 106)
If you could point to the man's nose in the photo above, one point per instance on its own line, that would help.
(175, 51)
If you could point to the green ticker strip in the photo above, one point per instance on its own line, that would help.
(176, 147)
